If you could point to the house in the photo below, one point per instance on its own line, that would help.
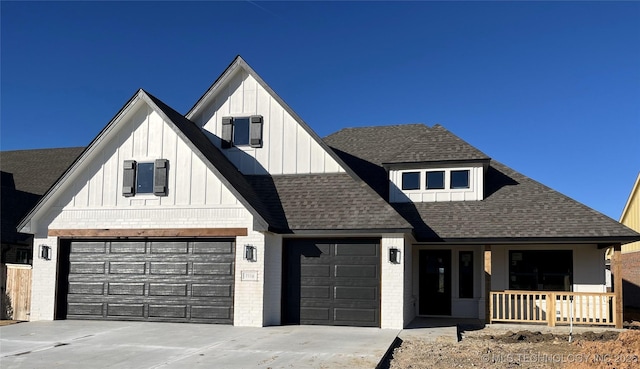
(631, 252)
(26, 176)
(238, 213)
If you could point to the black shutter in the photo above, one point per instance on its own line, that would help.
(255, 131)
(129, 178)
(227, 132)
(160, 177)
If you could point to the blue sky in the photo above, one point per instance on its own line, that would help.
(550, 89)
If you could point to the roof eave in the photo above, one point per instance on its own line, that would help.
(414, 164)
(532, 240)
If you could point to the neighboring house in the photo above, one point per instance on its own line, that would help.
(26, 176)
(238, 213)
(631, 252)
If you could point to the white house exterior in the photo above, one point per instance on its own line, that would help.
(238, 213)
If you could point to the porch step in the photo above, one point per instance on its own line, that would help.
(438, 329)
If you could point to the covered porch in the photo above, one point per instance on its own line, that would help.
(553, 297)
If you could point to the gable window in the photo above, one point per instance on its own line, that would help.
(435, 180)
(541, 270)
(241, 131)
(145, 178)
(459, 179)
(411, 181)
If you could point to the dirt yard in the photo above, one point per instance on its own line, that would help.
(489, 348)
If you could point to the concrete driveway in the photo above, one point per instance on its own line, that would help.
(102, 344)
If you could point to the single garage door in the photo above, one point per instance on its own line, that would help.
(331, 282)
(154, 280)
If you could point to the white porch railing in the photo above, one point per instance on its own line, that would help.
(552, 307)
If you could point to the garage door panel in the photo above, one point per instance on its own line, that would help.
(169, 248)
(316, 271)
(87, 309)
(133, 289)
(168, 289)
(167, 311)
(356, 293)
(127, 248)
(217, 248)
(211, 290)
(210, 312)
(169, 268)
(88, 268)
(356, 271)
(330, 283)
(88, 247)
(348, 316)
(96, 288)
(126, 268)
(161, 284)
(128, 310)
(212, 269)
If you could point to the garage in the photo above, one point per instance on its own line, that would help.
(331, 282)
(148, 280)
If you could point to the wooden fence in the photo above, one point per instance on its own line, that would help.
(553, 307)
(18, 291)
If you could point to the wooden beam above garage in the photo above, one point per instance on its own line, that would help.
(147, 233)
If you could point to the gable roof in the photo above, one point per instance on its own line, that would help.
(515, 207)
(26, 176)
(635, 192)
(195, 138)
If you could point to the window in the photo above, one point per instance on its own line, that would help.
(459, 179)
(411, 181)
(241, 131)
(144, 178)
(541, 270)
(435, 180)
(465, 273)
(23, 256)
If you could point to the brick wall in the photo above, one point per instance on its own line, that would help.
(392, 294)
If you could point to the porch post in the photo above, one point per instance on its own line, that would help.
(616, 269)
(487, 284)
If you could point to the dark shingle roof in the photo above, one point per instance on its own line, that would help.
(26, 176)
(438, 145)
(330, 201)
(515, 207)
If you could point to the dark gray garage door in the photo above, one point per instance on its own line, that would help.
(331, 282)
(156, 280)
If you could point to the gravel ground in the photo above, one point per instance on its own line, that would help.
(491, 348)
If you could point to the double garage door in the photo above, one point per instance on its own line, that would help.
(154, 280)
(331, 282)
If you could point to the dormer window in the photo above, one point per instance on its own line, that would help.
(459, 179)
(241, 131)
(435, 180)
(411, 181)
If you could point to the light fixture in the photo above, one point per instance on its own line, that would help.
(45, 252)
(250, 252)
(394, 255)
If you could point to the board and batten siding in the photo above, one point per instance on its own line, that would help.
(196, 197)
(475, 192)
(287, 147)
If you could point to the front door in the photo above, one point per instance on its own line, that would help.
(435, 282)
